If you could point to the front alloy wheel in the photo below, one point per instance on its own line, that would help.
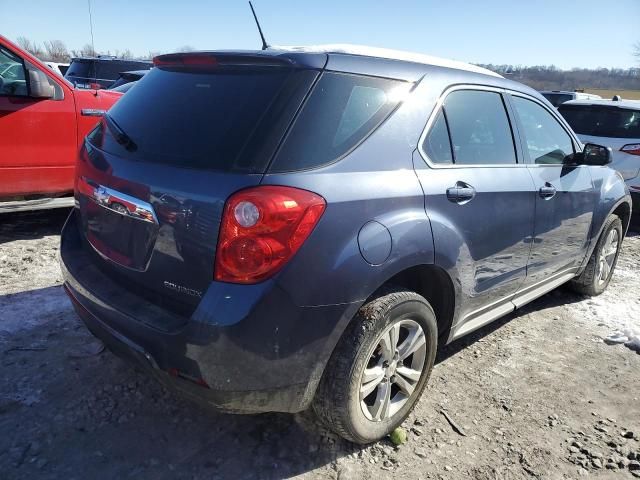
(608, 254)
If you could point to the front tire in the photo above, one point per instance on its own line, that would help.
(596, 276)
(379, 368)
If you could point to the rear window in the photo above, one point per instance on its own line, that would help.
(602, 121)
(342, 110)
(105, 69)
(557, 99)
(230, 119)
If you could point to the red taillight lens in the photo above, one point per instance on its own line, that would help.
(261, 229)
(631, 148)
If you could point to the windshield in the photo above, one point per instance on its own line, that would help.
(557, 99)
(603, 121)
(220, 120)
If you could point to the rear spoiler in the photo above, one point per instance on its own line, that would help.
(212, 59)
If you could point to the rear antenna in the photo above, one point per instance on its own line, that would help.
(93, 47)
(265, 45)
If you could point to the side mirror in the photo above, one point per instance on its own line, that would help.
(593, 154)
(39, 85)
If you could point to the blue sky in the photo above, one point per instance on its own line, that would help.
(587, 33)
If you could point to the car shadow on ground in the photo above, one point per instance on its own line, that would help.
(31, 225)
(92, 412)
(562, 295)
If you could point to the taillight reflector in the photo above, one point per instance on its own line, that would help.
(261, 229)
(631, 148)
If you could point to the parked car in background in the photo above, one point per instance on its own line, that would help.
(43, 120)
(124, 88)
(101, 71)
(558, 97)
(302, 227)
(128, 77)
(59, 68)
(616, 124)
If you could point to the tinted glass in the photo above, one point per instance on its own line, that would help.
(103, 69)
(557, 99)
(341, 111)
(81, 68)
(546, 141)
(602, 121)
(219, 120)
(479, 127)
(437, 145)
(12, 75)
(111, 69)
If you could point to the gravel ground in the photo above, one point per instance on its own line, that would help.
(538, 394)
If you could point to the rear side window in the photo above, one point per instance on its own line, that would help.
(227, 119)
(342, 110)
(437, 145)
(478, 129)
(546, 141)
(602, 121)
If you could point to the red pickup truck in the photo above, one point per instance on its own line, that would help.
(43, 121)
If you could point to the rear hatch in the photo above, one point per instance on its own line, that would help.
(154, 175)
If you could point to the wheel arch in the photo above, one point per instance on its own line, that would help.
(434, 284)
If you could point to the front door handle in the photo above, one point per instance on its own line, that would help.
(461, 193)
(547, 191)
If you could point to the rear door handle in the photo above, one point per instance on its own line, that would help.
(461, 193)
(547, 191)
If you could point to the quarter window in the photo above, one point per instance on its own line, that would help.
(546, 141)
(471, 129)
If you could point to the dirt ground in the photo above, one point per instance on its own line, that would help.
(538, 394)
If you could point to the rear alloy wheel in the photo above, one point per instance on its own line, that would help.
(379, 368)
(394, 368)
(597, 274)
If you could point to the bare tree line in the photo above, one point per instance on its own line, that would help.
(57, 51)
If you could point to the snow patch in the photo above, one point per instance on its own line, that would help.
(27, 310)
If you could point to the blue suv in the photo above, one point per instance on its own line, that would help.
(294, 228)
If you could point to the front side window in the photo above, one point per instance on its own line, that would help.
(545, 139)
(471, 129)
(12, 75)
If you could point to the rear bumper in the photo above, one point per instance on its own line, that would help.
(245, 349)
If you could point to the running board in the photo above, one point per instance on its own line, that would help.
(39, 204)
(506, 307)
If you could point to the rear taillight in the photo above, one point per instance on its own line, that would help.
(631, 148)
(261, 229)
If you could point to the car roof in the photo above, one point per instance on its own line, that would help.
(108, 59)
(609, 103)
(385, 53)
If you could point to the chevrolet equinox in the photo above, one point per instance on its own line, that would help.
(303, 227)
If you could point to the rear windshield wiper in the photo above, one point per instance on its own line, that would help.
(121, 137)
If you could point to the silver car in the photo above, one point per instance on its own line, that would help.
(616, 124)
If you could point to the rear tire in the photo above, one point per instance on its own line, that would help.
(393, 337)
(596, 276)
